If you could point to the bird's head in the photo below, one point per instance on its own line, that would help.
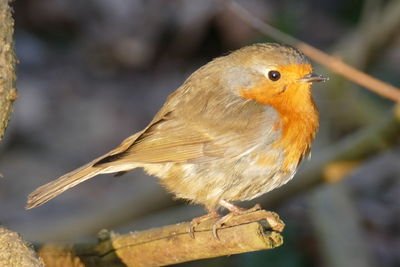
(272, 74)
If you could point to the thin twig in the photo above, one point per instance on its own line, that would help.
(171, 244)
(334, 64)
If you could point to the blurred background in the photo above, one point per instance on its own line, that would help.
(91, 73)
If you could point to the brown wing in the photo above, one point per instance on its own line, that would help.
(200, 129)
(164, 141)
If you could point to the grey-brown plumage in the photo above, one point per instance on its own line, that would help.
(224, 134)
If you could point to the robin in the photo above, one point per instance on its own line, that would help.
(237, 128)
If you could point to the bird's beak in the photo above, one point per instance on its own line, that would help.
(312, 78)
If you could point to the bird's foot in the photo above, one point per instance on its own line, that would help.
(236, 209)
(196, 221)
(233, 211)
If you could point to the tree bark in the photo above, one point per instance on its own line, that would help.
(15, 252)
(8, 93)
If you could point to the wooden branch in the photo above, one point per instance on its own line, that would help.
(7, 65)
(333, 63)
(171, 244)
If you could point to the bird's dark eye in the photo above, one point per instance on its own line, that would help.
(274, 75)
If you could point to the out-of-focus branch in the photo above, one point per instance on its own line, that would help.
(339, 228)
(334, 64)
(7, 65)
(171, 244)
(15, 252)
(377, 28)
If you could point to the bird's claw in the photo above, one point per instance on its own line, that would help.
(196, 221)
(215, 230)
(233, 211)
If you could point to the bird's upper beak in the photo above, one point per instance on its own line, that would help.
(312, 78)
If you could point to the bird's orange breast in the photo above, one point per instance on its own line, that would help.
(298, 115)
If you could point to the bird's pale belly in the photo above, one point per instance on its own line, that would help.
(234, 179)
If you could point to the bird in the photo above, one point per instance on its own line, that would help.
(237, 128)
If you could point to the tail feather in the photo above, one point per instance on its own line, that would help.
(56, 187)
(48, 191)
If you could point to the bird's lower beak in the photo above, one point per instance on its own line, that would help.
(312, 78)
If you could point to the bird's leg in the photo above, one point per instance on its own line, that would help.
(233, 211)
(212, 213)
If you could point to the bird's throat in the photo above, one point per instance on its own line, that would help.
(298, 124)
(298, 116)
